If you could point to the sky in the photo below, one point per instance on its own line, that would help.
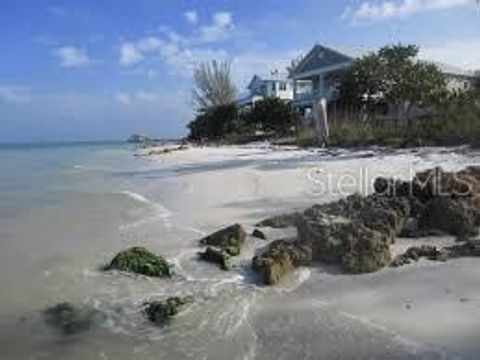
(104, 69)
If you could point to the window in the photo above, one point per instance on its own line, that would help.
(283, 86)
(466, 85)
(273, 87)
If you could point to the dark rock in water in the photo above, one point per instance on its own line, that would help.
(449, 215)
(280, 258)
(339, 240)
(230, 239)
(141, 261)
(414, 253)
(280, 221)
(160, 312)
(70, 319)
(259, 234)
(218, 256)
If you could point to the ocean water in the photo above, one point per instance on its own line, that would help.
(66, 209)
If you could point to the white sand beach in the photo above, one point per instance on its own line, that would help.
(426, 309)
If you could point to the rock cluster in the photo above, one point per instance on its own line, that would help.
(140, 261)
(356, 232)
(439, 201)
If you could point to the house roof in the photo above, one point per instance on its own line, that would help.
(454, 70)
(273, 76)
(320, 57)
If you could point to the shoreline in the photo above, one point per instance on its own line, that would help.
(419, 302)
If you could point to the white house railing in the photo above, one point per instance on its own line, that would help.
(308, 96)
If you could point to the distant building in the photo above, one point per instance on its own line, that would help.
(457, 79)
(274, 85)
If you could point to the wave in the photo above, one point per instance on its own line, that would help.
(158, 211)
(137, 197)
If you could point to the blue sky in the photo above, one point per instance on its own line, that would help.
(103, 69)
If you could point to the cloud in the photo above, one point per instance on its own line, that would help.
(463, 53)
(219, 29)
(138, 96)
(191, 16)
(179, 53)
(71, 57)
(130, 54)
(14, 94)
(369, 11)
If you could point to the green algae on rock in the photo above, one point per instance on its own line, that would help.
(160, 312)
(229, 239)
(140, 261)
(218, 256)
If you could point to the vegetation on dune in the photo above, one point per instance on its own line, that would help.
(395, 76)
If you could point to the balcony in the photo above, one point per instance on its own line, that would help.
(313, 95)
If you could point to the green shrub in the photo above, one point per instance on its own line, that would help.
(214, 122)
(272, 115)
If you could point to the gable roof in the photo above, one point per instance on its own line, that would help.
(320, 57)
(274, 76)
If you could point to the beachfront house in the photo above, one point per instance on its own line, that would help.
(274, 85)
(318, 75)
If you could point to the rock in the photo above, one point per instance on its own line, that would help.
(410, 228)
(470, 248)
(436, 182)
(279, 221)
(449, 215)
(392, 187)
(259, 234)
(414, 253)
(160, 312)
(70, 319)
(339, 240)
(218, 256)
(141, 261)
(229, 239)
(280, 258)
(379, 213)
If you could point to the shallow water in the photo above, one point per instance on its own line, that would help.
(66, 210)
